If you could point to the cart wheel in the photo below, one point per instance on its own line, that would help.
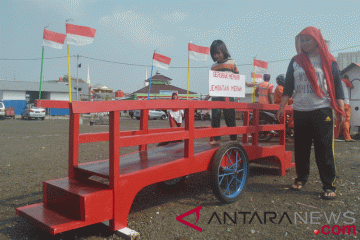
(229, 172)
(172, 184)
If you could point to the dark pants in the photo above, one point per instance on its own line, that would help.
(229, 115)
(315, 125)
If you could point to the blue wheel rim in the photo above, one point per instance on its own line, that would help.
(232, 172)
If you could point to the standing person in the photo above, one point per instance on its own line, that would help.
(345, 127)
(314, 75)
(223, 63)
(175, 116)
(264, 90)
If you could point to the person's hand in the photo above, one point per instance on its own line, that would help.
(341, 118)
(279, 114)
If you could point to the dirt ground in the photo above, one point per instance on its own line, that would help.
(35, 151)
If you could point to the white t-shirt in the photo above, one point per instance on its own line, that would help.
(177, 115)
(304, 97)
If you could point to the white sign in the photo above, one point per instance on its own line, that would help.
(225, 84)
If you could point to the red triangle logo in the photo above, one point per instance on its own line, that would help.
(197, 211)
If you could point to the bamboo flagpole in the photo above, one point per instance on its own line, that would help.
(188, 81)
(151, 73)
(41, 72)
(253, 92)
(69, 76)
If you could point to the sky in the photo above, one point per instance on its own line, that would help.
(128, 33)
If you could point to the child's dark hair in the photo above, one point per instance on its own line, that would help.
(219, 45)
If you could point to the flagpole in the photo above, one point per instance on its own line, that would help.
(253, 93)
(41, 72)
(77, 78)
(188, 82)
(152, 67)
(69, 77)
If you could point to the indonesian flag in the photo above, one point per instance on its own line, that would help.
(53, 39)
(198, 53)
(79, 35)
(258, 77)
(260, 66)
(161, 61)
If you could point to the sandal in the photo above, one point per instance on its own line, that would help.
(328, 197)
(299, 186)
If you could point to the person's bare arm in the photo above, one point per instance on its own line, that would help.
(283, 102)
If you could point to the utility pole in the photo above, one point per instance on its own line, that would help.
(77, 78)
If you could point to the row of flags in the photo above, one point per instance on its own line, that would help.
(81, 35)
(75, 35)
(197, 53)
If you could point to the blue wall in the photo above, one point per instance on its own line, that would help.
(59, 111)
(18, 104)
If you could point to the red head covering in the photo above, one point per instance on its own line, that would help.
(347, 83)
(177, 98)
(326, 60)
(174, 93)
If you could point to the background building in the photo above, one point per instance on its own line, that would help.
(353, 72)
(161, 88)
(18, 93)
(345, 59)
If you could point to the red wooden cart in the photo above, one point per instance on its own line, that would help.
(77, 201)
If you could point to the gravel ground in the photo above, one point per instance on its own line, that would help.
(35, 151)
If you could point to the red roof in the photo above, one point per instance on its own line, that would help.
(158, 76)
(351, 65)
(155, 89)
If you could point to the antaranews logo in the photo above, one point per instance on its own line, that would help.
(195, 210)
(346, 218)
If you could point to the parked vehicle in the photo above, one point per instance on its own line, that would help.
(153, 114)
(2, 110)
(270, 118)
(31, 112)
(202, 115)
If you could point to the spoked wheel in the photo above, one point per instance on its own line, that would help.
(229, 172)
(172, 184)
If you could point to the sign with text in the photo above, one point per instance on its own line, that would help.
(225, 84)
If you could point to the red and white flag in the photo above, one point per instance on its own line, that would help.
(161, 61)
(79, 35)
(53, 39)
(258, 77)
(260, 66)
(198, 53)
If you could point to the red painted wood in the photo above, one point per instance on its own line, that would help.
(50, 220)
(51, 103)
(246, 117)
(144, 126)
(255, 136)
(78, 200)
(190, 128)
(114, 168)
(74, 202)
(73, 143)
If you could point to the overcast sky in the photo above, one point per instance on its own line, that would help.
(127, 35)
